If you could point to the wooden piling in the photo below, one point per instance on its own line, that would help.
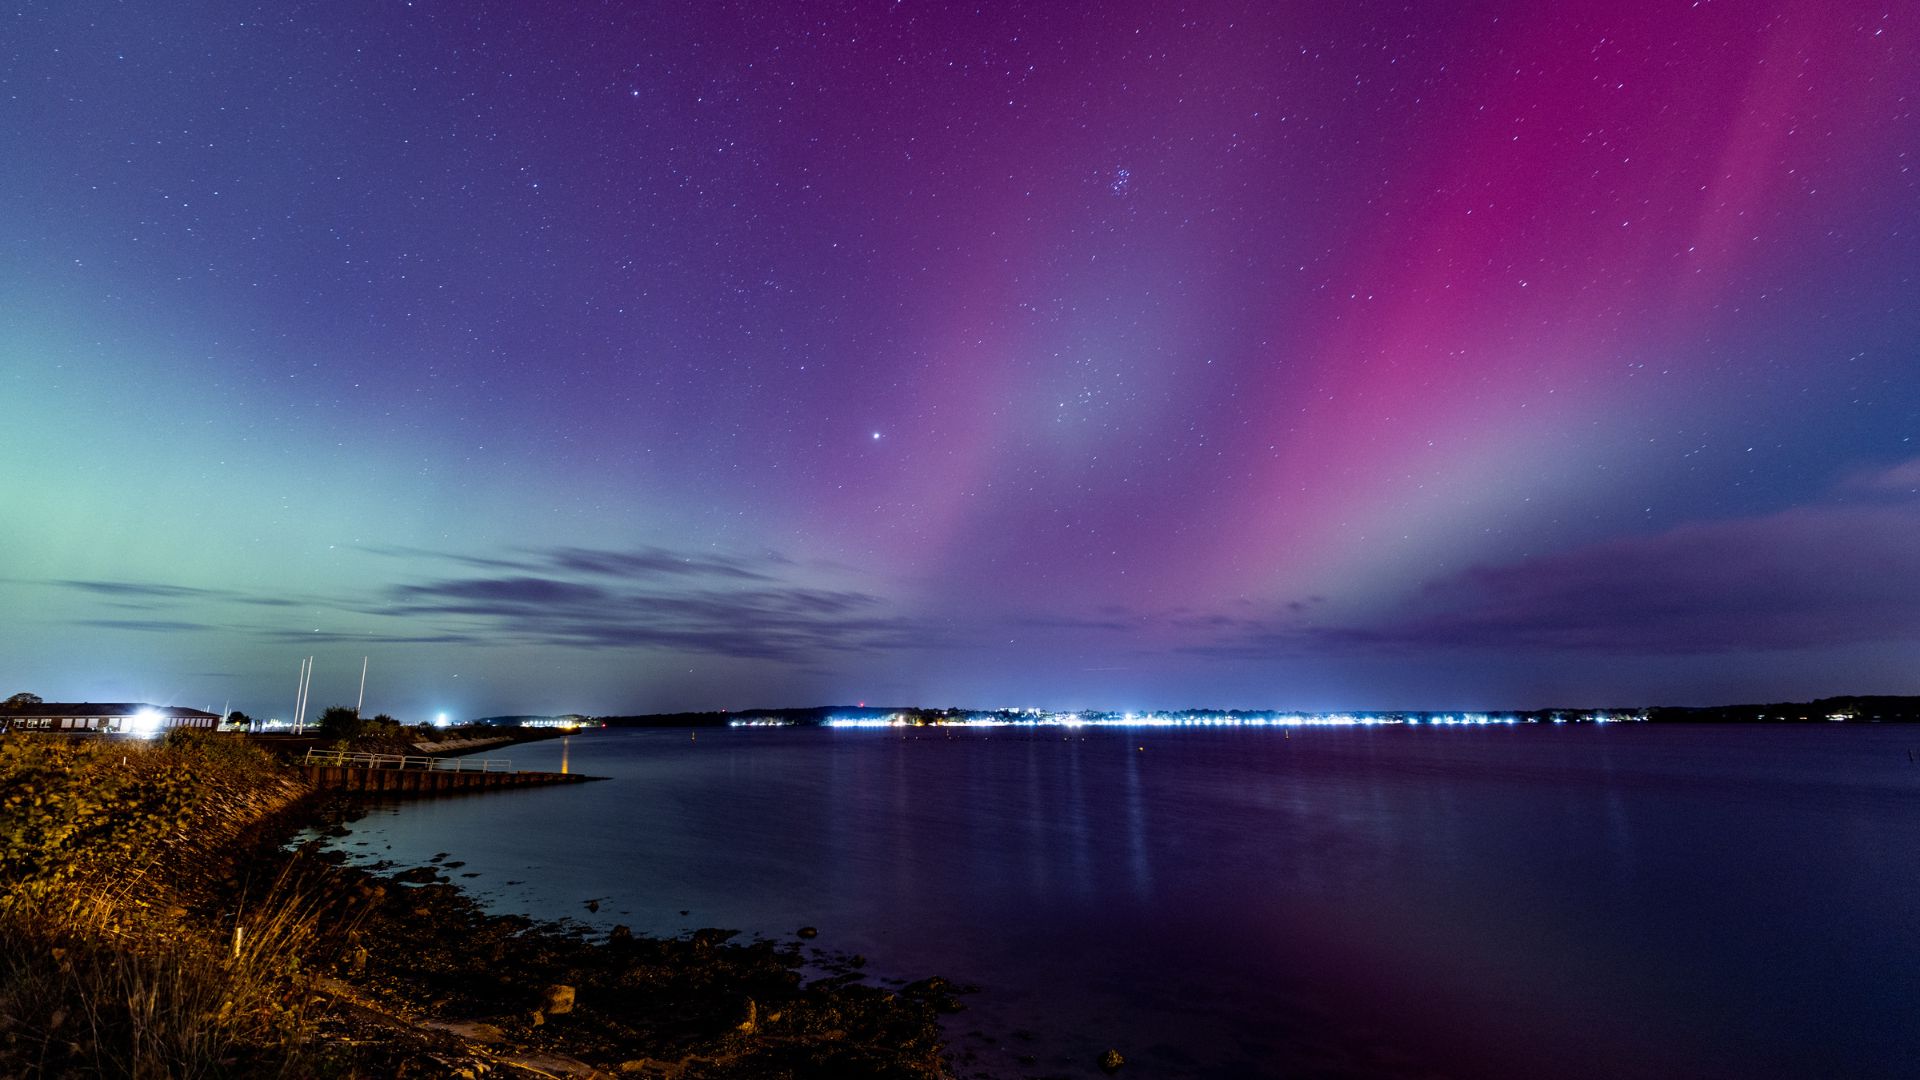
(427, 781)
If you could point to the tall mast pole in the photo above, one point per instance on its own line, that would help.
(299, 694)
(306, 691)
(363, 687)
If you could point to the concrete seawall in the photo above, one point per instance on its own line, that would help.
(427, 781)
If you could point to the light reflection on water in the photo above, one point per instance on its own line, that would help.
(1580, 901)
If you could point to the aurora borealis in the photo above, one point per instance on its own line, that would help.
(649, 357)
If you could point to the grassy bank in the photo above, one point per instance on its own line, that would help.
(123, 952)
(154, 924)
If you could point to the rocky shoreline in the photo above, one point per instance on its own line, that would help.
(174, 874)
(429, 984)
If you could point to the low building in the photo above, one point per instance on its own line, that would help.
(128, 718)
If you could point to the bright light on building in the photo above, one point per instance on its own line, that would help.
(146, 723)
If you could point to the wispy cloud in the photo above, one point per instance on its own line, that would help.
(493, 596)
(626, 563)
(480, 562)
(1803, 578)
(146, 589)
(774, 621)
(158, 626)
(655, 562)
(374, 637)
(150, 594)
(759, 607)
(1900, 479)
(1812, 576)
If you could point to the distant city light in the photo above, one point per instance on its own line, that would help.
(440, 720)
(1044, 718)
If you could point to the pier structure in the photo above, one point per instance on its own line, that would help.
(410, 774)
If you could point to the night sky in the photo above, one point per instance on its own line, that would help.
(630, 357)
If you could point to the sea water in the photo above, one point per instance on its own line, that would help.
(1623, 900)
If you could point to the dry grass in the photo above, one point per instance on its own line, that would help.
(115, 958)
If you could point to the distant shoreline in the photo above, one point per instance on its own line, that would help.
(1865, 709)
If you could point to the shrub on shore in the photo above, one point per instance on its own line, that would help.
(110, 962)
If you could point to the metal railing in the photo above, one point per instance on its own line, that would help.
(407, 761)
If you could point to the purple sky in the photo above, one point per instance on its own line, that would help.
(643, 357)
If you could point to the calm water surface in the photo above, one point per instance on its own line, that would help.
(1613, 901)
